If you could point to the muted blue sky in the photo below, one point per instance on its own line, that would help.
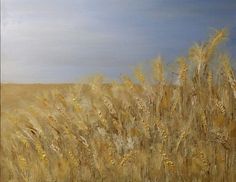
(67, 40)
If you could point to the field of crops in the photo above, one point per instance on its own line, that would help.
(146, 130)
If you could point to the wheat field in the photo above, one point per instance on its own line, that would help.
(146, 130)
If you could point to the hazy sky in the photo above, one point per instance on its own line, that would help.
(66, 40)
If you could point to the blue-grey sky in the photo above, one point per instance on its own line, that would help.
(66, 40)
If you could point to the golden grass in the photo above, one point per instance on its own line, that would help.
(127, 131)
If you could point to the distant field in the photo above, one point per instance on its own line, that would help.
(14, 95)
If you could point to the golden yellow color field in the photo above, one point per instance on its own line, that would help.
(146, 131)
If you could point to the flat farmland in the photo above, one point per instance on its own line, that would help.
(14, 96)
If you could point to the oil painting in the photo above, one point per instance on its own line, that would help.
(118, 91)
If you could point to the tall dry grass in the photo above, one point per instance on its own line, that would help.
(124, 131)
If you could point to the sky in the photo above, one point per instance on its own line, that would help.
(53, 41)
